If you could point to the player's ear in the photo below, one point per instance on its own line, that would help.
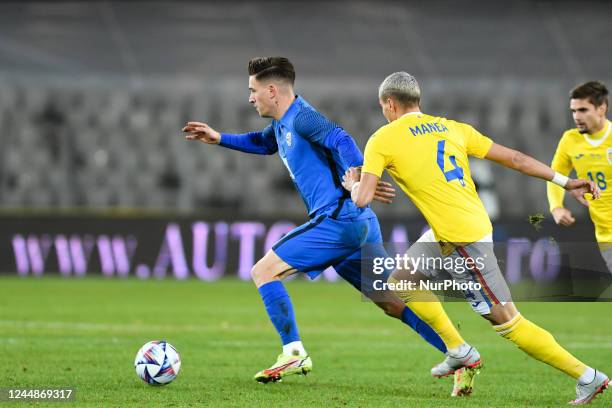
(602, 109)
(385, 103)
(391, 105)
(272, 90)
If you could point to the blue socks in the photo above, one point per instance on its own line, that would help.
(424, 330)
(280, 310)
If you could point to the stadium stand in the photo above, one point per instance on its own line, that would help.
(96, 122)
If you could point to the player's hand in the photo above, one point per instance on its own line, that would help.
(351, 176)
(563, 216)
(578, 188)
(385, 193)
(203, 132)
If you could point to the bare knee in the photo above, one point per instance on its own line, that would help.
(259, 273)
(255, 273)
(501, 314)
(270, 268)
(392, 308)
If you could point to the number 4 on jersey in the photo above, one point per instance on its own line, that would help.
(456, 172)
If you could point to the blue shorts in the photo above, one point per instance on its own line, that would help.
(325, 241)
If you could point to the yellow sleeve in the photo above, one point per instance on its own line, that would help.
(477, 144)
(374, 159)
(561, 163)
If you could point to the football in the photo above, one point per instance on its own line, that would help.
(157, 363)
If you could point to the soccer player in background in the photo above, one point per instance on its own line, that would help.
(588, 149)
(316, 153)
(428, 157)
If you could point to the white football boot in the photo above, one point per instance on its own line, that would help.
(585, 393)
(453, 362)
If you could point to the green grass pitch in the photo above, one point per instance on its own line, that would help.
(84, 333)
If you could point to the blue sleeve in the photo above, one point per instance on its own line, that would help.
(339, 140)
(315, 127)
(263, 142)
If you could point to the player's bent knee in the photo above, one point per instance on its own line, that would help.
(390, 304)
(393, 309)
(260, 274)
(501, 313)
(270, 268)
(255, 273)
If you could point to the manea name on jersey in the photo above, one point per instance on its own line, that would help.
(427, 157)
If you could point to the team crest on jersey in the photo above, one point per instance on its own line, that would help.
(609, 155)
(288, 139)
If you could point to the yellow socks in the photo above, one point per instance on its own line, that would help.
(428, 308)
(540, 344)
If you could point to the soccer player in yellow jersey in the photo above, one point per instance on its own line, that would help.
(427, 156)
(588, 149)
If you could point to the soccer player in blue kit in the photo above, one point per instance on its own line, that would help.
(316, 153)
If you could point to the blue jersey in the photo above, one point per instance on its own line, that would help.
(316, 153)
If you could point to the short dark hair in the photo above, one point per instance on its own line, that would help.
(272, 68)
(595, 91)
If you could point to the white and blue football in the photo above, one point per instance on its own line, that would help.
(157, 363)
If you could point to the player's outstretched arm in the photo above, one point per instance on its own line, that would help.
(262, 142)
(528, 165)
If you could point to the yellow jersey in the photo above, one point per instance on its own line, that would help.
(591, 156)
(427, 156)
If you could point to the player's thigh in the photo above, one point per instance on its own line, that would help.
(318, 244)
(270, 267)
(476, 266)
(364, 266)
(359, 273)
(361, 277)
(350, 270)
(419, 261)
